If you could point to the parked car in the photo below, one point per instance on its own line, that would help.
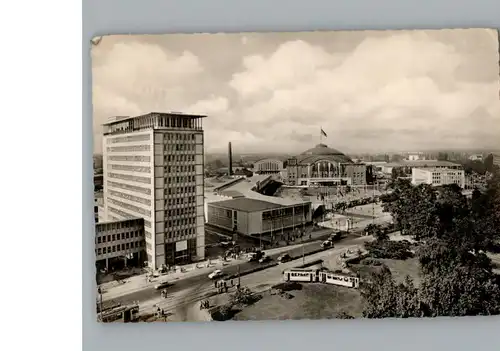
(161, 285)
(265, 259)
(215, 274)
(284, 258)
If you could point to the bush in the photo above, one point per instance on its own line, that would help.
(343, 315)
(244, 296)
(288, 286)
(389, 249)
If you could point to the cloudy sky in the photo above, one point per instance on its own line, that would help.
(369, 91)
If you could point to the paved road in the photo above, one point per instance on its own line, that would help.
(194, 281)
(258, 281)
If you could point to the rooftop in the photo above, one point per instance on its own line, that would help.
(119, 119)
(422, 163)
(431, 169)
(247, 205)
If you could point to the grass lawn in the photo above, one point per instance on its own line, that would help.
(399, 268)
(313, 301)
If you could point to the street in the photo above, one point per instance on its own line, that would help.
(190, 282)
(194, 289)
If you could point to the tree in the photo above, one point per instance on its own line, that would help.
(460, 291)
(457, 276)
(488, 163)
(384, 298)
(443, 156)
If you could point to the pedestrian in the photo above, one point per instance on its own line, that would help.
(215, 284)
(232, 282)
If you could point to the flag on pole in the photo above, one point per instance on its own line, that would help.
(323, 133)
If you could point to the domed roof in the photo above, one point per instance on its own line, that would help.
(322, 149)
(323, 152)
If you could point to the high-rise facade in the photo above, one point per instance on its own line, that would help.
(153, 169)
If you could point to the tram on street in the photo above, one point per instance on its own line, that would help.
(305, 275)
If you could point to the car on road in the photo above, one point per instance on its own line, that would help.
(284, 258)
(216, 274)
(255, 256)
(161, 285)
(265, 259)
(327, 244)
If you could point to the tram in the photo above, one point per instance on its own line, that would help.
(305, 275)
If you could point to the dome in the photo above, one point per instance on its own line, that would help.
(322, 149)
(323, 152)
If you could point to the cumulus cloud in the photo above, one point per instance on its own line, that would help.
(389, 91)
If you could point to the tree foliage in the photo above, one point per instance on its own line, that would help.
(453, 234)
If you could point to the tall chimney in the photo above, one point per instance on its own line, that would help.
(230, 155)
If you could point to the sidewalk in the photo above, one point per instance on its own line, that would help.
(116, 289)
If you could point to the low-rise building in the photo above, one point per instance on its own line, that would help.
(407, 166)
(253, 217)
(438, 176)
(120, 242)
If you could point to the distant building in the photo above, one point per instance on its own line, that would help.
(98, 181)
(120, 243)
(476, 157)
(268, 166)
(496, 160)
(97, 162)
(415, 156)
(253, 217)
(323, 166)
(438, 176)
(409, 165)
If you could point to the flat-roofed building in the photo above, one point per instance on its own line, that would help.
(120, 240)
(409, 165)
(438, 176)
(252, 217)
(153, 169)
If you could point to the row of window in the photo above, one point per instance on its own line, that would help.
(180, 190)
(181, 201)
(179, 158)
(130, 158)
(129, 148)
(179, 136)
(133, 178)
(120, 236)
(130, 207)
(102, 227)
(180, 211)
(180, 179)
(130, 138)
(180, 233)
(122, 247)
(179, 222)
(134, 188)
(179, 147)
(130, 197)
(142, 169)
(170, 169)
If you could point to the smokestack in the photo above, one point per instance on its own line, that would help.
(230, 155)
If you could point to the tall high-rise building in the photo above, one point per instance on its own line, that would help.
(153, 169)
